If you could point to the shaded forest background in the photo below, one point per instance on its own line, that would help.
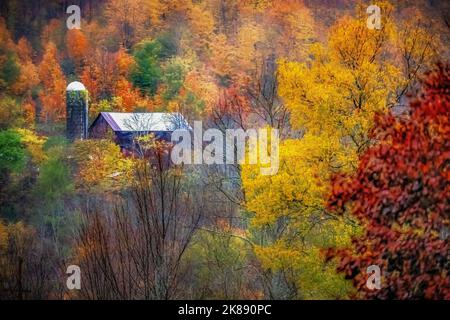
(346, 100)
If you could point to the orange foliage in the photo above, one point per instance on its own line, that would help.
(24, 49)
(29, 109)
(28, 77)
(89, 77)
(53, 32)
(100, 74)
(123, 88)
(105, 76)
(128, 94)
(5, 36)
(124, 62)
(77, 45)
(128, 18)
(54, 85)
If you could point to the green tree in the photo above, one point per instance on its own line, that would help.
(173, 79)
(54, 179)
(12, 152)
(9, 69)
(147, 72)
(12, 159)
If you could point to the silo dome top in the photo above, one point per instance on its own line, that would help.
(75, 86)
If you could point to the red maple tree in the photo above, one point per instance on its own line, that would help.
(401, 195)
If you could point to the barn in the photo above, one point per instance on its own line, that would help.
(124, 127)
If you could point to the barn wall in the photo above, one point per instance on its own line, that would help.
(100, 129)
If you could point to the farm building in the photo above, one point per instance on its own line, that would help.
(122, 127)
(125, 127)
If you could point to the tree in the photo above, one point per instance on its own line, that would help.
(21, 155)
(135, 249)
(12, 155)
(128, 18)
(77, 46)
(28, 78)
(54, 180)
(221, 264)
(124, 89)
(130, 97)
(11, 113)
(9, 67)
(101, 166)
(12, 159)
(201, 25)
(54, 31)
(292, 30)
(106, 75)
(53, 91)
(400, 195)
(290, 226)
(26, 264)
(34, 145)
(18, 79)
(100, 74)
(332, 99)
(147, 72)
(417, 49)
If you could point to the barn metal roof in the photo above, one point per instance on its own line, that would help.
(144, 122)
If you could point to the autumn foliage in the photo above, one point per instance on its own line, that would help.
(54, 84)
(400, 195)
(141, 228)
(77, 45)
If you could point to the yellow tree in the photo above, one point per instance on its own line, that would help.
(101, 166)
(201, 21)
(332, 99)
(34, 144)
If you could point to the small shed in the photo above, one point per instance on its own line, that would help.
(124, 127)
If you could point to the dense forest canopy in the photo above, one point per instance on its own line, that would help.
(357, 109)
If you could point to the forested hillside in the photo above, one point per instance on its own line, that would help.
(363, 178)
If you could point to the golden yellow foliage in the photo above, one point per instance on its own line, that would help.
(332, 99)
(34, 145)
(101, 165)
